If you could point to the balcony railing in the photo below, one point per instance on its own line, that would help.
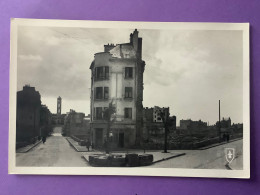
(101, 78)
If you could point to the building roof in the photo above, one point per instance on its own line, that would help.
(123, 50)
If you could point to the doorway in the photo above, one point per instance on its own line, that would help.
(121, 140)
(99, 138)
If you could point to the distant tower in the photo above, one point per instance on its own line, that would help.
(59, 105)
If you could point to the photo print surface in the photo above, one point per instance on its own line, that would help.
(162, 99)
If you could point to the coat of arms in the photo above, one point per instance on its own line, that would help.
(230, 154)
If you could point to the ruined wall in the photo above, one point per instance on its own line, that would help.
(123, 51)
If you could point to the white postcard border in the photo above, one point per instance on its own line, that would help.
(139, 171)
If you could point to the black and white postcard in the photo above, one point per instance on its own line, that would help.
(129, 98)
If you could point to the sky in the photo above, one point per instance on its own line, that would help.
(188, 71)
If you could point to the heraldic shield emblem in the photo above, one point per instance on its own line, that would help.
(230, 154)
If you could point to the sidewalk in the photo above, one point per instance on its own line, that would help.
(219, 144)
(158, 156)
(76, 146)
(28, 147)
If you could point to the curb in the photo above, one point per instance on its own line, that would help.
(85, 158)
(72, 145)
(75, 148)
(30, 147)
(212, 146)
(168, 158)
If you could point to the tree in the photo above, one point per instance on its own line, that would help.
(107, 115)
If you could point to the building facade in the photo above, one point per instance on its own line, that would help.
(192, 125)
(153, 122)
(224, 123)
(117, 78)
(76, 124)
(28, 114)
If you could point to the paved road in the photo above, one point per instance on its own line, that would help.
(55, 152)
(212, 158)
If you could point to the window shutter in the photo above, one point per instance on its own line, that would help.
(106, 72)
(107, 92)
(130, 113)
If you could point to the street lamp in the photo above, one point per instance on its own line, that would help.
(108, 115)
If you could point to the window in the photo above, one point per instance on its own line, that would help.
(128, 113)
(99, 93)
(128, 92)
(99, 73)
(106, 92)
(102, 73)
(98, 113)
(128, 72)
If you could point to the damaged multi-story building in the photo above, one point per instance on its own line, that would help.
(224, 123)
(192, 125)
(153, 125)
(117, 78)
(76, 124)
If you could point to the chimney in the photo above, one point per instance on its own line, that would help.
(131, 38)
(135, 39)
(108, 47)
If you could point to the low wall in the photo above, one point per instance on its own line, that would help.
(185, 145)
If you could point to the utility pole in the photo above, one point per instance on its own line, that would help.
(165, 138)
(165, 117)
(219, 125)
